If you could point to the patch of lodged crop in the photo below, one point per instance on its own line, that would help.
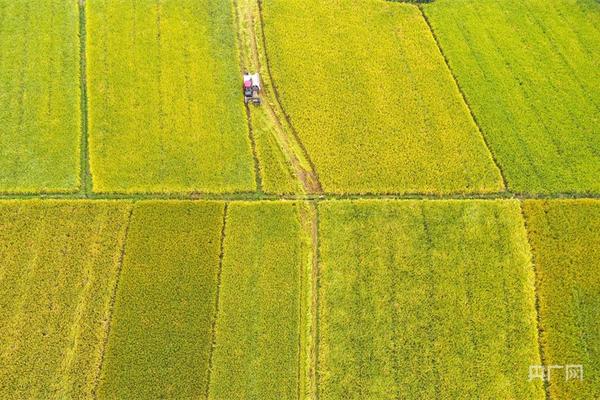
(58, 268)
(39, 96)
(531, 72)
(372, 100)
(565, 239)
(160, 333)
(425, 300)
(257, 331)
(164, 103)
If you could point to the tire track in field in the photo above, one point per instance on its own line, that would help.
(251, 37)
(111, 305)
(250, 26)
(241, 50)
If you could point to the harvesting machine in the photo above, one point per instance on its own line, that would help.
(252, 88)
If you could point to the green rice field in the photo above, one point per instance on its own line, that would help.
(531, 72)
(425, 300)
(163, 105)
(39, 97)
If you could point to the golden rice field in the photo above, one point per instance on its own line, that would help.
(412, 212)
(386, 120)
(163, 98)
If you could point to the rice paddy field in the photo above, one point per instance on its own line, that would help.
(531, 72)
(39, 97)
(164, 113)
(412, 212)
(386, 120)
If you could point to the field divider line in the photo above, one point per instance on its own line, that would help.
(213, 342)
(256, 196)
(314, 176)
(315, 300)
(536, 290)
(464, 97)
(85, 170)
(111, 306)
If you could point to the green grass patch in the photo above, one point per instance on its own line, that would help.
(257, 338)
(39, 96)
(531, 72)
(59, 262)
(565, 239)
(389, 119)
(165, 104)
(160, 333)
(425, 299)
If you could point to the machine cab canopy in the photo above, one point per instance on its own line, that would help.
(251, 80)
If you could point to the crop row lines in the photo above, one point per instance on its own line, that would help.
(536, 292)
(258, 196)
(111, 305)
(463, 96)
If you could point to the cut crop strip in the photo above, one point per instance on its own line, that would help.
(311, 182)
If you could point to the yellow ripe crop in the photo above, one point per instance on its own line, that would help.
(256, 354)
(58, 268)
(164, 103)
(565, 241)
(39, 96)
(372, 99)
(160, 334)
(425, 300)
(530, 71)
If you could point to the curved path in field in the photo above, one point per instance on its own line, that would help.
(253, 55)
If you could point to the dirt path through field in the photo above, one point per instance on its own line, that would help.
(253, 56)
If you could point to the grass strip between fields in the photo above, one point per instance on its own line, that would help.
(565, 237)
(84, 169)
